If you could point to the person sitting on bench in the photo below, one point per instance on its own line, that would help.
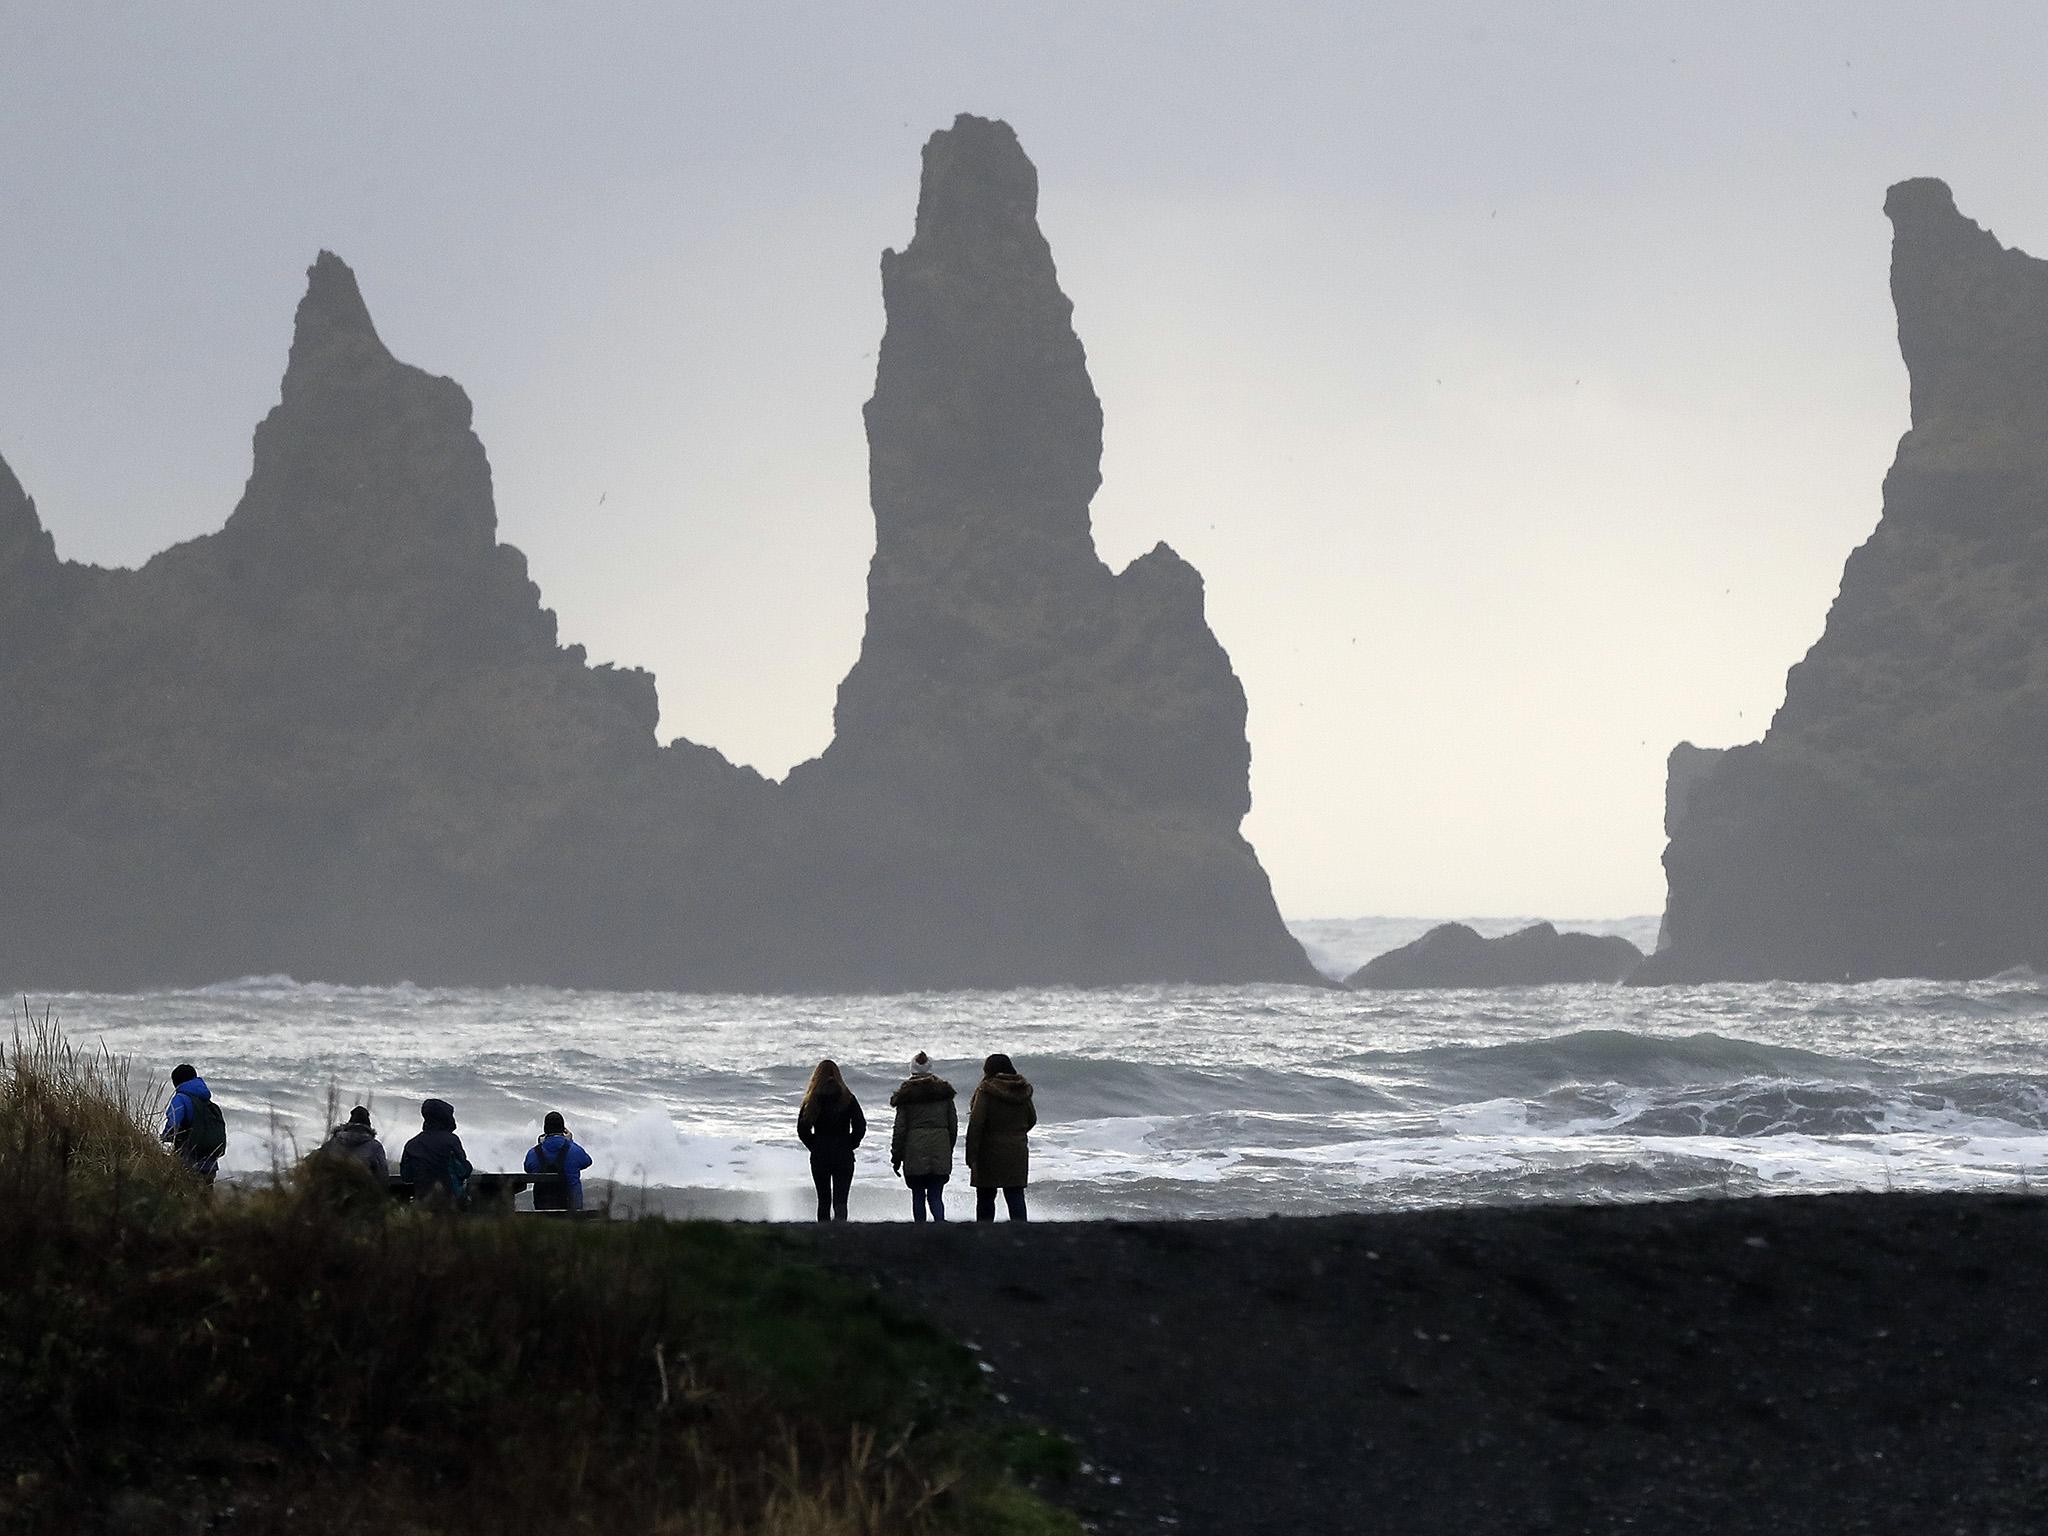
(434, 1162)
(556, 1152)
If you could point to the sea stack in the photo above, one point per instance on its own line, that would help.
(1040, 765)
(340, 739)
(1894, 819)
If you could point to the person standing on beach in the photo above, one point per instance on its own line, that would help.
(927, 1127)
(831, 1125)
(355, 1141)
(999, 1122)
(193, 1123)
(557, 1152)
(433, 1161)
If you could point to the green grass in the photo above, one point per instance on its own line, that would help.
(307, 1359)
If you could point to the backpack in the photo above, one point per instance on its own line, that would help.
(557, 1162)
(204, 1135)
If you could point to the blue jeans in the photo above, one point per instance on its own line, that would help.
(928, 1190)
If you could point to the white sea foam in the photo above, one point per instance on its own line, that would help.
(1160, 1100)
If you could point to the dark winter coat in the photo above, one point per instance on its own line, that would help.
(434, 1161)
(999, 1123)
(927, 1126)
(356, 1143)
(831, 1125)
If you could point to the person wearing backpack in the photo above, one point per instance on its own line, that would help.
(433, 1161)
(557, 1152)
(193, 1123)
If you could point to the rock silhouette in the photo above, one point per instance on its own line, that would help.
(1893, 821)
(1019, 709)
(340, 738)
(1454, 955)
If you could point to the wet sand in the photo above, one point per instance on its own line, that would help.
(1796, 1366)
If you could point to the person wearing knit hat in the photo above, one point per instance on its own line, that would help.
(927, 1127)
(355, 1140)
(557, 1152)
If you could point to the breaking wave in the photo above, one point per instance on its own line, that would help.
(1164, 1101)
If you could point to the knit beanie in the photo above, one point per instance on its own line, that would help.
(554, 1125)
(359, 1116)
(920, 1065)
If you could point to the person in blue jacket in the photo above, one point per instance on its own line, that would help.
(193, 1123)
(557, 1152)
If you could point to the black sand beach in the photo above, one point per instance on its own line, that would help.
(1855, 1363)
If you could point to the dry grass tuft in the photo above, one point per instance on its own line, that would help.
(306, 1359)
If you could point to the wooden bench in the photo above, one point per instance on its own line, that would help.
(492, 1191)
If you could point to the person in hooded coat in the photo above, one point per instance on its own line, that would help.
(927, 1127)
(999, 1122)
(193, 1123)
(557, 1152)
(433, 1161)
(831, 1125)
(355, 1141)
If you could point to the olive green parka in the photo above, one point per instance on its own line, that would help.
(999, 1122)
(927, 1126)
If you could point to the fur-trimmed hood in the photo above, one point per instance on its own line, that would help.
(922, 1089)
(1006, 1085)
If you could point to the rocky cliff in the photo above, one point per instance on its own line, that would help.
(340, 738)
(1894, 819)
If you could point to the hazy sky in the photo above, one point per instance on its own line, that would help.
(1517, 375)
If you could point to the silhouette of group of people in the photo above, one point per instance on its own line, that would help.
(1000, 1118)
(433, 1162)
(436, 1166)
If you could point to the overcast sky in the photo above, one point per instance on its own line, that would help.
(1518, 375)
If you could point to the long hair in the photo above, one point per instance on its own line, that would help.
(826, 1071)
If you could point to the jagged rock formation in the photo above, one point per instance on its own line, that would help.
(339, 739)
(1018, 709)
(1454, 955)
(1684, 771)
(1894, 819)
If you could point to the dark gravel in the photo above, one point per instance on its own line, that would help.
(1797, 1366)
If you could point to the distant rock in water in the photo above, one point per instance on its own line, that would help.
(1894, 819)
(340, 739)
(1454, 955)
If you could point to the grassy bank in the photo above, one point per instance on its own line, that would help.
(307, 1359)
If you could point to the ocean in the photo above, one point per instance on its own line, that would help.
(1160, 1101)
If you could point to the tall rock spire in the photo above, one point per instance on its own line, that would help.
(338, 739)
(367, 462)
(1894, 819)
(1066, 745)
